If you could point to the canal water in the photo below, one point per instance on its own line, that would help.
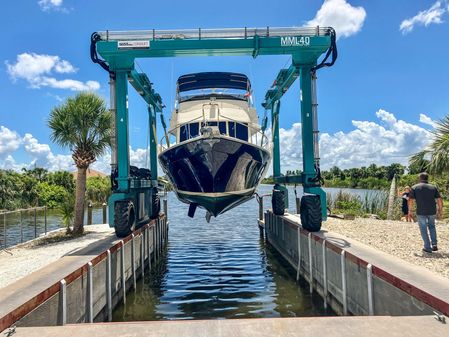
(219, 270)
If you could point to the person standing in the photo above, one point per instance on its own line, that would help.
(404, 197)
(427, 199)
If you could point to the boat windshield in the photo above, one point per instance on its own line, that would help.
(231, 129)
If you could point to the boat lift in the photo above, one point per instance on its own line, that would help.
(134, 198)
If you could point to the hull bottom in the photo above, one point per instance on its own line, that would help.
(216, 203)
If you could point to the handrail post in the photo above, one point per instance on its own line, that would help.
(104, 212)
(90, 289)
(62, 311)
(21, 227)
(89, 213)
(45, 219)
(4, 229)
(35, 222)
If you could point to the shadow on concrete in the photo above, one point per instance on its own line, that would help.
(97, 247)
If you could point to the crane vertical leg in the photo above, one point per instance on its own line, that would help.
(276, 147)
(311, 185)
(121, 129)
(153, 144)
(275, 135)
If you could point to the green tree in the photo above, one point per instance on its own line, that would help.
(437, 151)
(394, 169)
(8, 189)
(83, 124)
(29, 190)
(51, 195)
(98, 189)
(64, 179)
(38, 173)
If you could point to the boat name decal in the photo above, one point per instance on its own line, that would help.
(295, 41)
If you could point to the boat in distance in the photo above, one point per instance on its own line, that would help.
(219, 153)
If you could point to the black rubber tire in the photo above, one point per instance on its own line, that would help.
(124, 218)
(310, 210)
(278, 202)
(155, 205)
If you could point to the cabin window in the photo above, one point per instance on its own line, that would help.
(222, 127)
(194, 130)
(183, 133)
(231, 129)
(242, 131)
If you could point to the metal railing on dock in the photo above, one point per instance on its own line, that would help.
(28, 229)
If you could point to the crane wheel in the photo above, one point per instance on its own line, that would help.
(310, 210)
(155, 205)
(124, 218)
(278, 202)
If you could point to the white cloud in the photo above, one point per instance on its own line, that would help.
(432, 15)
(47, 5)
(9, 141)
(386, 141)
(427, 120)
(37, 69)
(347, 20)
(41, 155)
(73, 85)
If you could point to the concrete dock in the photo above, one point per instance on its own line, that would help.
(354, 278)
(85, 285)
(258, 327)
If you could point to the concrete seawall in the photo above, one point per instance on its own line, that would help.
(353, 278)
(84, 286)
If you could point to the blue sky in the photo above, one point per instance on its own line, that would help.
(376, 104)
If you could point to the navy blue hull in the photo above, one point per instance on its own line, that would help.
(216, 173)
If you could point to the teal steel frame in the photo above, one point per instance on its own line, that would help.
(119, 50)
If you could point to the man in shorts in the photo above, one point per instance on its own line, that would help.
(427, 198)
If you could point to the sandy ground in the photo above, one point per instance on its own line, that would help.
(401, 239)
(18, 262)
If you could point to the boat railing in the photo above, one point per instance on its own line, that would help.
(255, 135)
(217, 33)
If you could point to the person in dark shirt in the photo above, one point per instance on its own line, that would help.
(425, 195)
(405, 196)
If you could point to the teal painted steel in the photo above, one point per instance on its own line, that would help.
(153, 143)
(120, 57)
(275, 132)
(121, 130)
(143, 86)
(306, 123)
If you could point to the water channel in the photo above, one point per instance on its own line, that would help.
(221, 270)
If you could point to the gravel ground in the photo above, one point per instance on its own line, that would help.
(401, 239)
(18, 262)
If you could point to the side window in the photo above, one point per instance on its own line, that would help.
(194, 130)
(222, 127)
(242, 131)
(231, 129)
(183, 133)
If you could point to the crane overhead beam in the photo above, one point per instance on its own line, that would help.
(120, 48)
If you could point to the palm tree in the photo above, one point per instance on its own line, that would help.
(83, 124)
(437, 151)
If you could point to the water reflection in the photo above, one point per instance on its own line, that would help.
(218, 270)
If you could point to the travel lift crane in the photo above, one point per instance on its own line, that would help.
(134, 198)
